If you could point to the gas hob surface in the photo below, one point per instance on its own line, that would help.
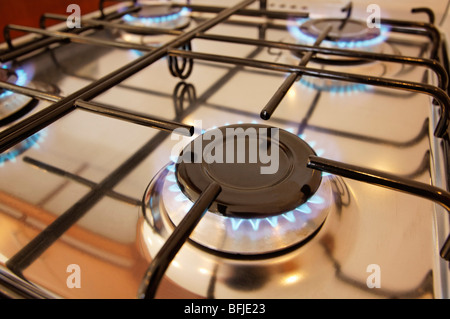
(90, 187)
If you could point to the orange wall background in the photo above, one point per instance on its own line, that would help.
(28, 12)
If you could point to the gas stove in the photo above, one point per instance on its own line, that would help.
(261, 149)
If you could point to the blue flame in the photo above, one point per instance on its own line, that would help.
(290, 130)
(289, 216)
(174, 188)
(316, 199)
(253, 223)
(152, 21)
(171, 178)
(295, 31)
(304, 209)
(335, 87)
(236, 222)
(273, 221)
(32, 141)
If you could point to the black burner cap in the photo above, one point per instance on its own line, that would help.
(262, 170)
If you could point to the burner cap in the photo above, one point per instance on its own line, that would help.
(262, 170)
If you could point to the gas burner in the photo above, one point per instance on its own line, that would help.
(256, 213)
(250, 188)
(159, 16)
(249, 253)
(12, 105)
(347, 33)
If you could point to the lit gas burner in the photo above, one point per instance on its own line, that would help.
(352, 35)
(269, 201)
(14, 106)
(259, 226)
(344, 34)
(160, 16)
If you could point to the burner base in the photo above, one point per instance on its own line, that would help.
(290, 272)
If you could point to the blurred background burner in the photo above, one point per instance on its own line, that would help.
(348, 32)
(158, 16)
(13, 105)
(345, 34)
